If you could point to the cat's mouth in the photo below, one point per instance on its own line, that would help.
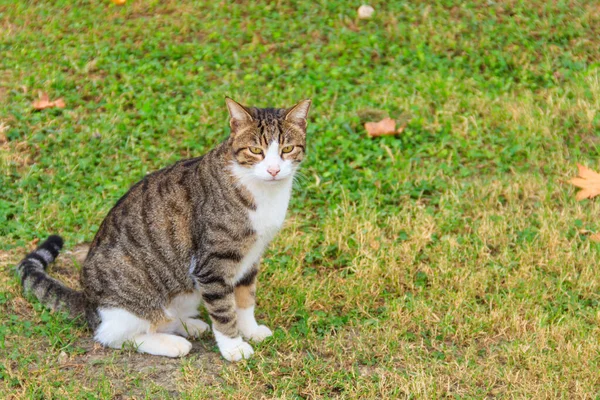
(274, 179)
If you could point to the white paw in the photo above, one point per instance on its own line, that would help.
(260, 333)
(191, 327)
(177, 346)
(162, 344)
(233, 349)
(236, 353)
(248, 326)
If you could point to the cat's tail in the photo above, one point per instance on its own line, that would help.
(49, 291)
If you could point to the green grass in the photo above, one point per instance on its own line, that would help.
(451, 260)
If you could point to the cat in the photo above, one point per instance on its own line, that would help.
(187, 234)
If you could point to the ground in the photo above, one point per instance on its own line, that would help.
(451, 260)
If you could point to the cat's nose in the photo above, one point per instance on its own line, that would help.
(273, 170)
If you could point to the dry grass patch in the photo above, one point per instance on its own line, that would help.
(498, 286)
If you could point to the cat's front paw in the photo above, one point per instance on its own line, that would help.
(260, 333)
(233, 349)
(236, 353)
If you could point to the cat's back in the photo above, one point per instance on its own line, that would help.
(168, 192)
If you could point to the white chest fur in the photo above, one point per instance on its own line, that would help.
(271, 200)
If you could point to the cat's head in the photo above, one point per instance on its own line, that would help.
(267, 144)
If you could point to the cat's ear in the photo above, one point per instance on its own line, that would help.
(237, 112)
(299, 112)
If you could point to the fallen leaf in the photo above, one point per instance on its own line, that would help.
(3, 138)
(44, 102)
(595, 237)
(33, 243)
(588, 181)
(386, 126)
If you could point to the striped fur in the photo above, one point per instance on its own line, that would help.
(197, 227)
(49, 291)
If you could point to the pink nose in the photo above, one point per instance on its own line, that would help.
(273, 170)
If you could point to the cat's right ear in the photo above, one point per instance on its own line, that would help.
(237, 113)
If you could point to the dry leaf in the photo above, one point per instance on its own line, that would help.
(386, 126)
(3, 138)
(595, 237)
(588, 181)
(44, 102)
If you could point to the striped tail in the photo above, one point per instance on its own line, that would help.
(49, 291)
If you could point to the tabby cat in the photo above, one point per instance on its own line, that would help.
(190, 233)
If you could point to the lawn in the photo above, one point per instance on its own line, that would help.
(451, 260)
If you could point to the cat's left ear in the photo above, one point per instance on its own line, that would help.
(298, 113)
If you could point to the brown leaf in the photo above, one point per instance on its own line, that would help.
(3, 138)
(33, 243)
(595, 237)
(44, 102)
(588, 181)
(386, 126)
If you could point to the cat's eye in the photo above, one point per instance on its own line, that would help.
(255, 150)
(287, 149)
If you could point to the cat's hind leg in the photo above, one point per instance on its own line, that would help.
(186, 327)
(161, 344)
(181, 310)
(119, 327)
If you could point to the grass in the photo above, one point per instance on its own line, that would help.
(451, 260)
